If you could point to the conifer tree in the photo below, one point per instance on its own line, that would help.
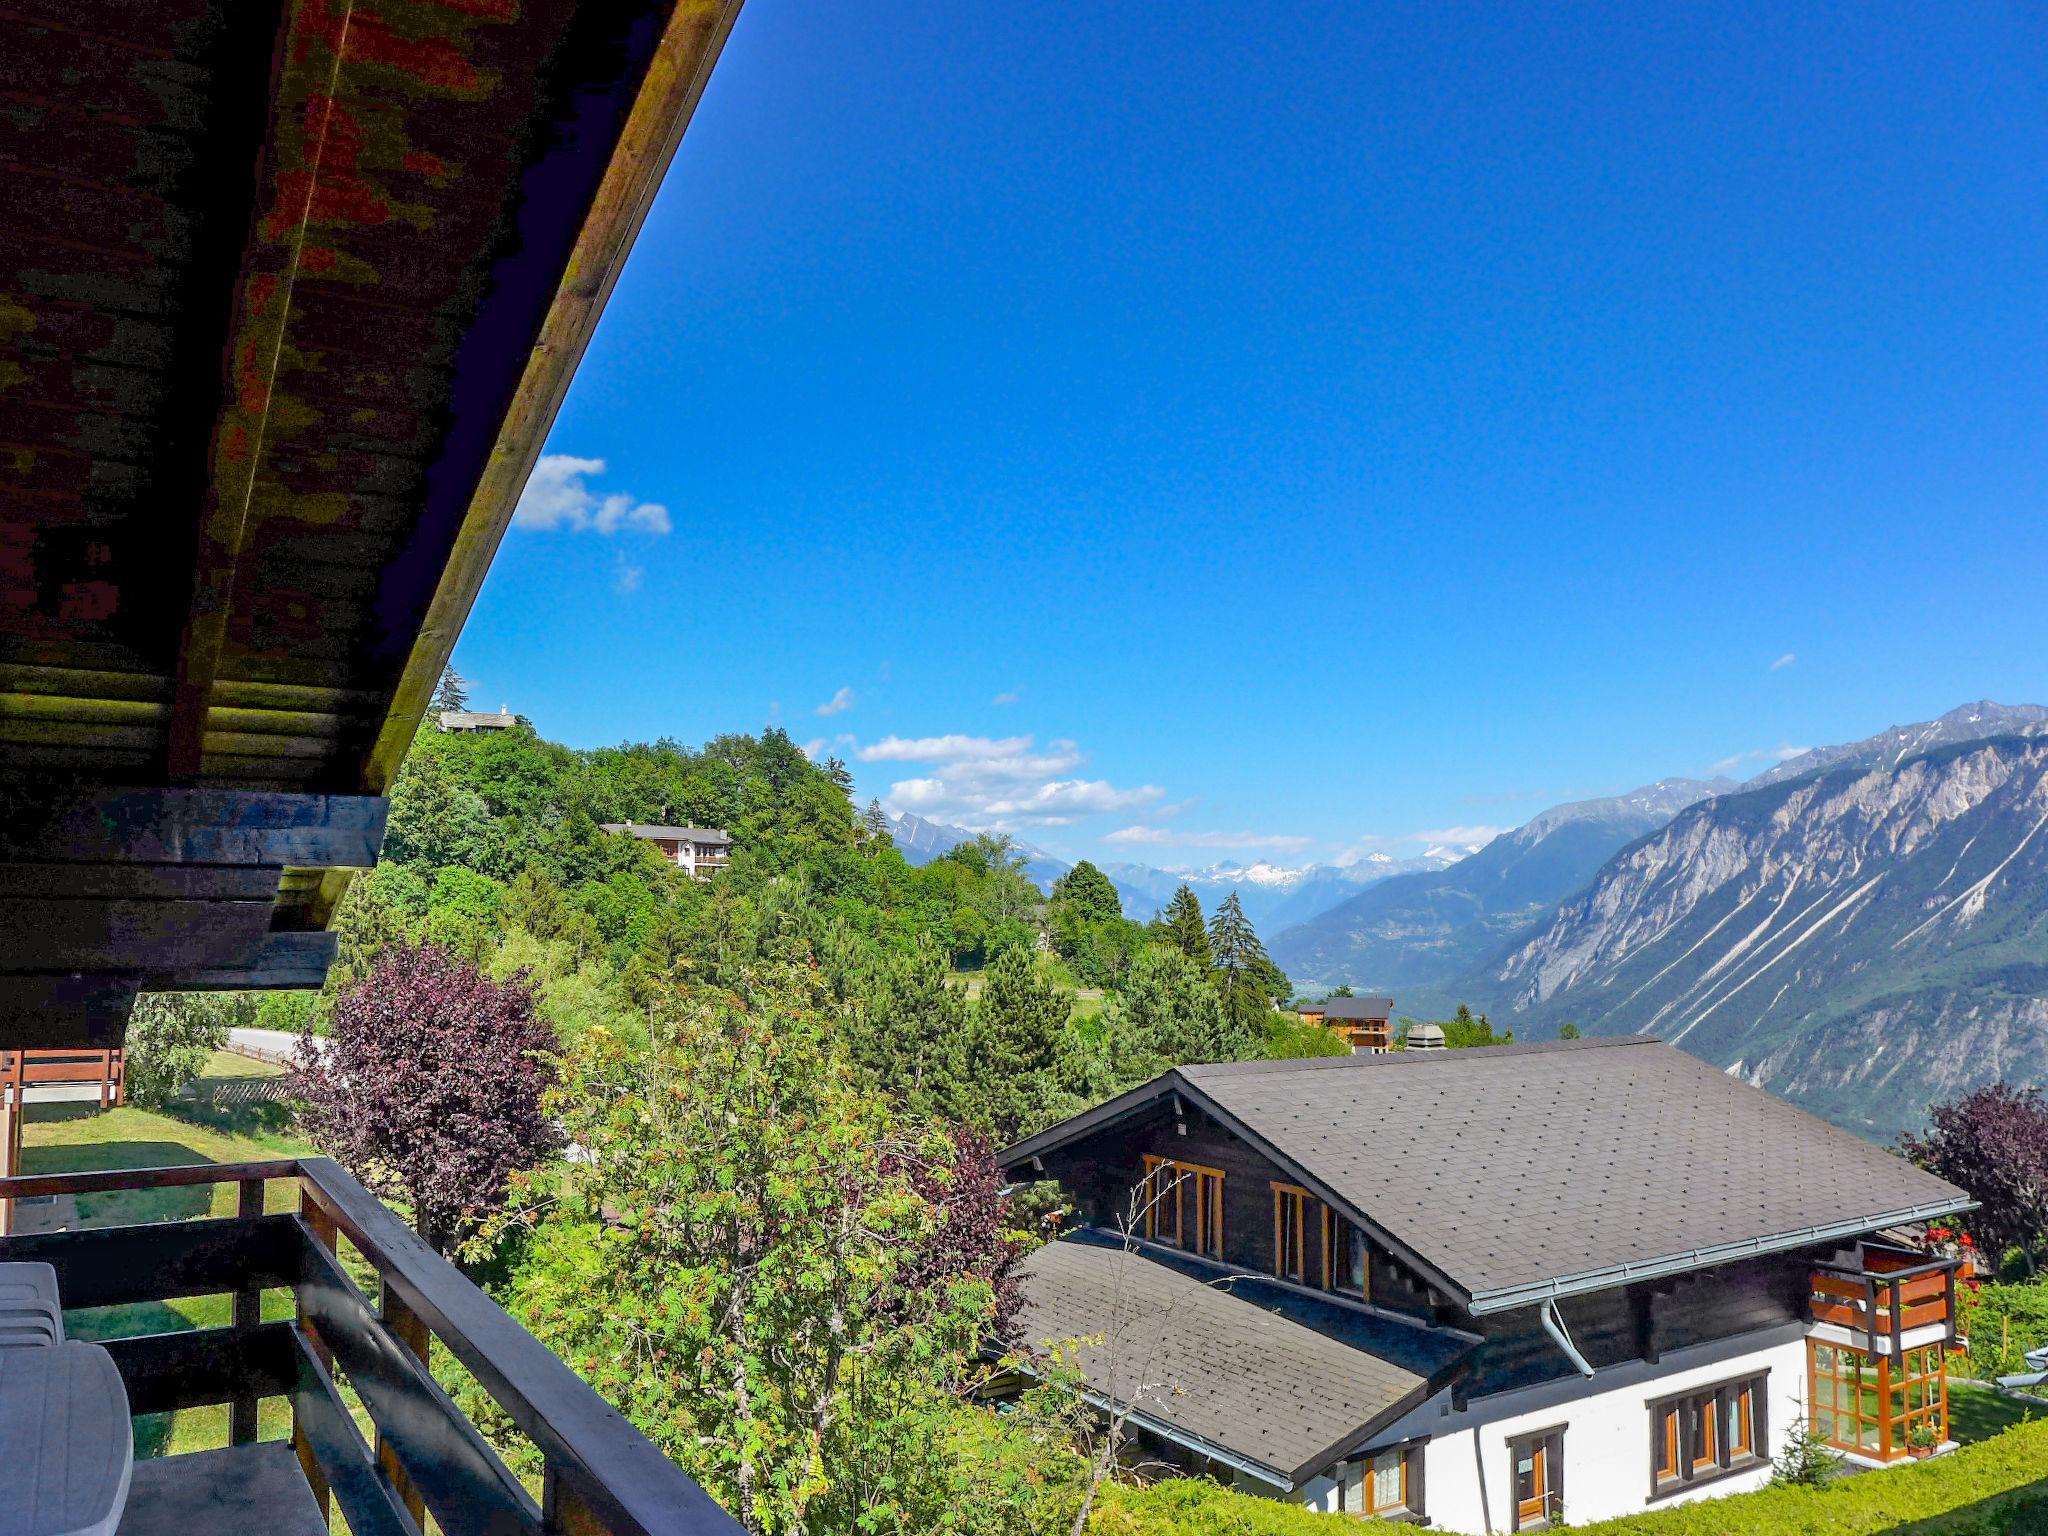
(1016, 1047)
(451, 694)
(1181, 926)
(1244, 974)
(875, 823)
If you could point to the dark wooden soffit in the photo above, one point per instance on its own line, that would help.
(290, 292)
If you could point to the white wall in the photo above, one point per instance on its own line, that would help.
(1606, 1444)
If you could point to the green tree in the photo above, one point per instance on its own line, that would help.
(1181, 926)
(1088, 894)
(451, 693)
(1015, 1049)
(875, 825)
(170, 1035)
(1569, 1032)
(1245, 976)
(754, 1265)
(1167, 1015)
(911, 1042)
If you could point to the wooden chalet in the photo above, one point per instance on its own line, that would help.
(1479, 1288)
(290, 292)
(1365, 1023)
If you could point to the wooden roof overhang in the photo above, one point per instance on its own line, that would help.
(290, 292)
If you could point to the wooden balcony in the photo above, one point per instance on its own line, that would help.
(419, 1454)
(1888, 1301)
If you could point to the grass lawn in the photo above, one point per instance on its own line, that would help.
(74, 1138)
(1979, 1412)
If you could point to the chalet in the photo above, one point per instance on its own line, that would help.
(700, 852)
(1486, 1289)
(461, 722)
(1366, 1023)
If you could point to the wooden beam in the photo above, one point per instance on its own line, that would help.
(223, 470)
(668, 95)
(190, 826)
(282, 962)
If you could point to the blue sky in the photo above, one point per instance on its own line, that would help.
(1188, 433)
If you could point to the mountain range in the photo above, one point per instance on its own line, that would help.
(1411, 934)
(1859, 928)
(1272, 895)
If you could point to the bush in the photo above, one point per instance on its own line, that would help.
(1993, 1488)
(2003, 1322)
(170, 1035)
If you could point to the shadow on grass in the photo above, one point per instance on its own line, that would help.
(116, 1207)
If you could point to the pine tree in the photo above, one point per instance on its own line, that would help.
(1089, 894)
(875, 823)
(451, 695)
(1244, 974)
(1017, 1040)
(1181, 926)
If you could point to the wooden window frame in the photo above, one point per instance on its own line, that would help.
(1549, 1445)
(1301, 1198)
(1892, 1428)
(1337, 1250)
(1410, 1508)
(1175, 1230)
(1675, 1421)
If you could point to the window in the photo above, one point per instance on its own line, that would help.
(1385, 1482)
(1705, 1434)
(1162, 1200)
(1536, 1463)
(1847, 1397)
(1347, 1264)
(1184, 1205)
(1208, 1211)
(1290, 1224)
(1869, 1405)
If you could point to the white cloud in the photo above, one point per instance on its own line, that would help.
(813, 747)
(1004, 781)
(627, 582)
(838, 704)
(1169, 837)
(1474, 835)
(556, 497)
(1783, 752)
(1007, 696)
(1783, 662)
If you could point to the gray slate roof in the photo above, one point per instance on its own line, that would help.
(1206, 1365)
(1520, 1171)
(678, 834)
(1353, 1007)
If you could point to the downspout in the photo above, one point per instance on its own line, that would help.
(1553, 1324)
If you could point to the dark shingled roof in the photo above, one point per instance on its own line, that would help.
(1519, 1171)
(1352, 1008)
(677, 834)
(1214, 1363)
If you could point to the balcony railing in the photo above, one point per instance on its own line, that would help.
(602, 1475)
(1887, 1299)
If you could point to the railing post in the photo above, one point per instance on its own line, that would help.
(1870, 1309)
(564, 1510)
(409, 1330)
(322, 1226)
(248, 1313)
(1898, 1330)
(1948, 1300)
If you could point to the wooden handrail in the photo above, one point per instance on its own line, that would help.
(603, 1475)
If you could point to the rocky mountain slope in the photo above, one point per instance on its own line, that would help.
(1863, 940)
(1889, 748)
(1414, 935)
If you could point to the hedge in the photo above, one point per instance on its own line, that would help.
(1998, 1487)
